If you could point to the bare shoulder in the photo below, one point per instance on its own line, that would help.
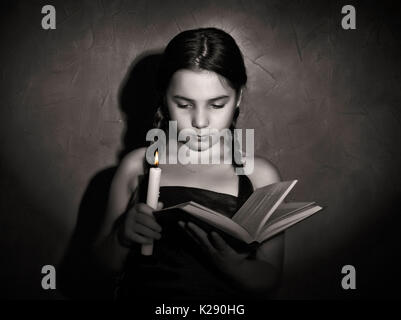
(123, 184)
(132, 166)
(134, 160)
(264, 173)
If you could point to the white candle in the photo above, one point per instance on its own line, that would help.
(152, 199)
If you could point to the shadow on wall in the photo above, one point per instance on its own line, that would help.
(79, 276)
(138, 100)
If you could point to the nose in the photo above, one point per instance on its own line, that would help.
(200, 119)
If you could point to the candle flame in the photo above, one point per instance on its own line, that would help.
(156, 158)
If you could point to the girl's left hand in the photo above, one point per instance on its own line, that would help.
(221, 254)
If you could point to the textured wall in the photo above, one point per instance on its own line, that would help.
(325, 104)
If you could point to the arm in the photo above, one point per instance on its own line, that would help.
(260, 273)
(122, 227)
(263, 272)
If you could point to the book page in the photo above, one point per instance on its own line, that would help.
(181, 205)
(213, 218)
(285, 222)
(285, 209)
(261, 204)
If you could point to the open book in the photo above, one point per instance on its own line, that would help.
(263, 215)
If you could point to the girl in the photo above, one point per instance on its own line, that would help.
(200, 82)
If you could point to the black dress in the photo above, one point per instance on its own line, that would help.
(178, 270)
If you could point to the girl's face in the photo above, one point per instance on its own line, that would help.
(202, 101)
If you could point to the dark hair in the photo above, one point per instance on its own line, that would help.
(208, 49)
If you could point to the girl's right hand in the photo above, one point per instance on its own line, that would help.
(139, 226)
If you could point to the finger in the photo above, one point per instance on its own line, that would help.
(220, 244)
(149, 221)
(182, 224)
(147, 232)
(195, 239)
(201, 235)
(225, 248)
(143, 207)
(134, 237)
(160, 205)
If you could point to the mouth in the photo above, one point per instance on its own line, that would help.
(202, 138)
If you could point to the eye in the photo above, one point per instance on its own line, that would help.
(183, 106)
(218, 106)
